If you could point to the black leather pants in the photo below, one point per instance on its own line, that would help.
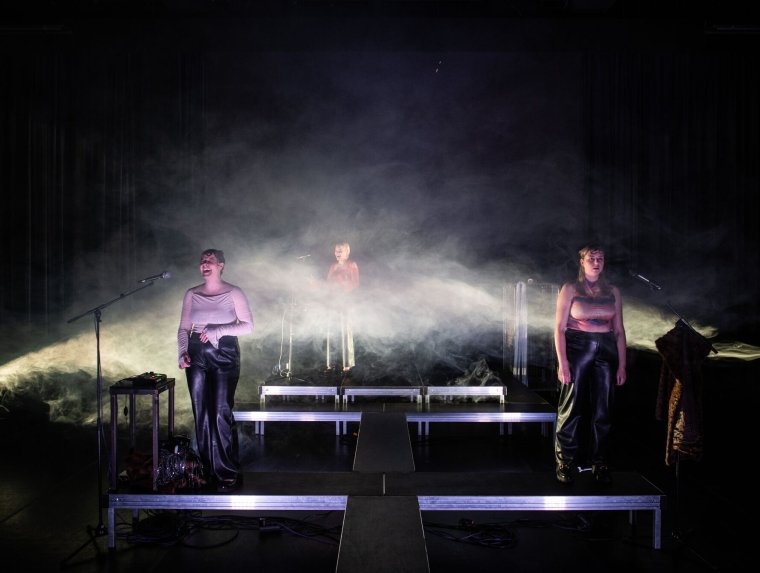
(212, 379)
(593, 363)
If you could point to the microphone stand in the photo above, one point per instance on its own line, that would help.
(683, 321)
(289, 370)
(100, 529)
(653, 286)
(292, 303)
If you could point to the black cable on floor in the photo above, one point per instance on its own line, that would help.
(487, 535)
(167, 528)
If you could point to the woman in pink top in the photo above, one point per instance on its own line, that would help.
(214, 314)
(343, 278)
(590, 341)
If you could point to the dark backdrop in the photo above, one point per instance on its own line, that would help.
(457, 155)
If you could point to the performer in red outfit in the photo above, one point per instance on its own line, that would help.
(591, 348)
(343, 279)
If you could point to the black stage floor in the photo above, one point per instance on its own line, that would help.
(49, 500)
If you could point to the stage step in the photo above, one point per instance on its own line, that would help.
(384, 445)
(390, 527)
(380, 524)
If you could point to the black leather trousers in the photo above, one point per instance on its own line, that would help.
(593, 363)
(212, 379)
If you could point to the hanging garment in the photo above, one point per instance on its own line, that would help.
(679, 395)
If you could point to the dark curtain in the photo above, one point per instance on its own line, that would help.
(82, 134)
(671, 141)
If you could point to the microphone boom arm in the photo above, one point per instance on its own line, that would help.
(650, 283)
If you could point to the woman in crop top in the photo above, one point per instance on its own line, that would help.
(590, 341)
(214, 314)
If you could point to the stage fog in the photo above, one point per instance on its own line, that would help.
(454, 175)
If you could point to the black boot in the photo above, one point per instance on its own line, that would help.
(602, 474)
(565, 473)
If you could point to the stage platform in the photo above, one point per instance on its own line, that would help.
(329, 491)
(384, 483)
(422, 405)
(418, 414)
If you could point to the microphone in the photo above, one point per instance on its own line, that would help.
(163, 275)
(303, 257)
(645, 280)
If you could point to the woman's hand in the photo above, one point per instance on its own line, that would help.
(184, 360)
(563, 374)
(621, 376)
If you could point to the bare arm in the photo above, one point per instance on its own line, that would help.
(619, 330)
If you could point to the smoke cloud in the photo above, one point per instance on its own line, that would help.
(451, 176)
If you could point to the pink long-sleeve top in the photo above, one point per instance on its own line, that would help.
(223, 314)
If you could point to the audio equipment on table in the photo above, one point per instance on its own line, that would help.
(148, 379)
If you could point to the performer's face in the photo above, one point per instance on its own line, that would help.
(210, 265)
(341, 253)
(593, 264)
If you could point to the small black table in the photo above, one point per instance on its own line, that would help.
(132, 387)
